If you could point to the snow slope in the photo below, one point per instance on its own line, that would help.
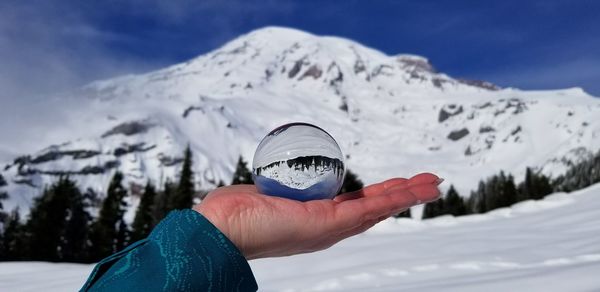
(547, 245)
(391, 115)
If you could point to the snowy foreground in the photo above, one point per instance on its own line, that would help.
(548, 245)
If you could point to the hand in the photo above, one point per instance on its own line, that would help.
(266, 226)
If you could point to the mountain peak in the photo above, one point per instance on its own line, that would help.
(388, 113)
(279, 32)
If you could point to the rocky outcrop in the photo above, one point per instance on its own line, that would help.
(448, 111)
(129, 128)
(458, 134)
(129, 148)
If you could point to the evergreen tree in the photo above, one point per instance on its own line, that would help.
(451, 204)
(526, 188)
(580, 175)
(107, 233)
(506, 194)
(12, 238)
(3, 219)
(543, 186)
(123, 235)
(535, 186)
(454, 204)
(184, 195)
(497, 191)
(351, 183)
(49, 217)
(477, 202)
(242, 174)
(161, 202)
(490, 193)
(75, 247)
(3, 215)
(144, 221)
(434, 209)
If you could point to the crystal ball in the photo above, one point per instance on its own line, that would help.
(298, 161)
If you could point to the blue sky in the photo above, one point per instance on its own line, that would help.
(51, 46)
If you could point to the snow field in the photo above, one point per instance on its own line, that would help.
(547, 245)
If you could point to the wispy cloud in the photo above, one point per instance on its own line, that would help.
(49, 47)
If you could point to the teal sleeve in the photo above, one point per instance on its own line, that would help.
(185, 252)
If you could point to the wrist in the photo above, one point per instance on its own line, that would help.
(221, 222)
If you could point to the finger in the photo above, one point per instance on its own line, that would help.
(371, 190)
(424, 178)
(379, 188)
(394, 181)
(423, 192)
(352, 213)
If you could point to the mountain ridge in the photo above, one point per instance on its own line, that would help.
(392, 116)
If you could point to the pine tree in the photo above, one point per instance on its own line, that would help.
(144, 221)
(107, 233)
(161, 202)
(45, 229)
(506, 193)
(351, 183)
(454, 204)
(526, 187)
(3, 215)
(184, 195)
(477, 201)
(535, 186)
(543, 186)
(123, 235)
(242, 174)
(75, 247)
(580, 175)
(12, 238)
(434, 209)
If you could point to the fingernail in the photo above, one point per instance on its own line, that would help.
(439, 181)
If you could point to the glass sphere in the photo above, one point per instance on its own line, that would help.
(298, 161)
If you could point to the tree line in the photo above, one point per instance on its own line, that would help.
(61, 227)
(500, 190)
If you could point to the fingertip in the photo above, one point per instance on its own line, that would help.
(423, 178)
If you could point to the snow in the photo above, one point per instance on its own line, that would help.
(222, 103)
(547, 245)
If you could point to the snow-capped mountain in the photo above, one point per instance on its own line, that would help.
(391, 115)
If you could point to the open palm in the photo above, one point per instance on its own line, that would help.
(266, 226)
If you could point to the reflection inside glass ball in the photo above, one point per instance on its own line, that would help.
(298, 161)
